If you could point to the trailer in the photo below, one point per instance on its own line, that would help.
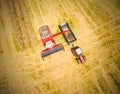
(69, 35)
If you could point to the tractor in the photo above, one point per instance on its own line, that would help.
(77, 52)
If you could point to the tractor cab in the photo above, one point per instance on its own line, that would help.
(78, 51)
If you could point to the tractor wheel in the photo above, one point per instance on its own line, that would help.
(72, 50)
(78, 60)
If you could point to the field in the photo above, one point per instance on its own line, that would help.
(95, 23)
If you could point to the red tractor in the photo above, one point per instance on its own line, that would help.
(48, 42)
(77, 52)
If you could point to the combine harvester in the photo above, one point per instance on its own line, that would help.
(52, 47)
(48, 42)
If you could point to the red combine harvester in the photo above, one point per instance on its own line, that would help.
(48, 42)
(70, 39)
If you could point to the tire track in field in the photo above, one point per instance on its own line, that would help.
(114, 8)
(12, 86)
(28, 25)
(100, 11)
(98, 14)
(115, 75)
(52, 14)
(47, 17)
(93, 14)
(2, 40)
(84, 10)
(91, 87)
(7, 48)
(110, 81)
(9, 44)
(106, 7)
(4, 85)
(21, 24)
(35, 15)
(80, 9)
(41, 10)
(100, 82)
(65, 10)
(1, 47)
(108, 23)
(15, 22)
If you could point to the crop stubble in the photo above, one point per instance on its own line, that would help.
(96, 24)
